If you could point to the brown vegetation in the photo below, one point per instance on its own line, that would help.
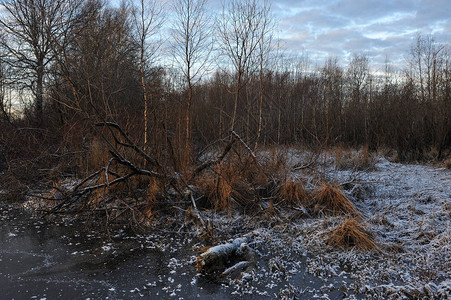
(330, 199)
(351, 233)
(293, 193)
(349, 159)
(447, 163)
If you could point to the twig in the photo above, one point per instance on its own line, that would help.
(107, 169)
(254, 157)
(308, 165)
(102, 185)
(196, 211)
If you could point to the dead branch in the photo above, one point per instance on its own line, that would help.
(245, 145)
(123, 161)
(236, 267)
(107, 169)
(215, 161)
(313, 160)
(252, 154)
(201, 152)
(129, 143)
(86, 180)
(103, 185)
(196, 211)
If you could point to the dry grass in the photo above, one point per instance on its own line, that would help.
(343, 158)
(217, 191)
(13, 189)
(271, 212)
(360, 160)
(364, 160)
(96, 196)
(351, 233)
(228, 187)
(152, 192)
(329, 198)
(293, 193)
(218, 188)
(275, 162)
(447, 163)
(97, 156)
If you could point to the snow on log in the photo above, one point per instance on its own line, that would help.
(236, 267)
(218, 258)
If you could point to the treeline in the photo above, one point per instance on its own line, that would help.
(76, 64)
(408, 111)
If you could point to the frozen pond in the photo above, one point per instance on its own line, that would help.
(42, 260)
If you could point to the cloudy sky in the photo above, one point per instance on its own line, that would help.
(378, 28)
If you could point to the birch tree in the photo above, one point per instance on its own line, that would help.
(240, 32)
(148, 20)
(192, 45)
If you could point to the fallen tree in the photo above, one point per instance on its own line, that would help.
(228, 258)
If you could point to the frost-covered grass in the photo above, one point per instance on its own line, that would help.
(406, 208)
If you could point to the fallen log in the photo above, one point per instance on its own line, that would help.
(227, 258)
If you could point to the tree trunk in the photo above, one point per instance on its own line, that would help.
(39, 94)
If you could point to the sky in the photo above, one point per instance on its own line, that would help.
(383, 30)
(380, 29)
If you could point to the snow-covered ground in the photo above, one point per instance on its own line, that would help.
(407, 207)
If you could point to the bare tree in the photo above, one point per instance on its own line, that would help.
(31, 27)
(3, 104)
(148, 19)
(192, 45)
(264, 50)
(357, 81)
(424, 56)
(241, 30)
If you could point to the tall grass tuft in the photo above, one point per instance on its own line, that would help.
(152, 192)
(351, 233)
(293, 193)
(360, 160)
(218, 188)
(329, 198)
(447, 163)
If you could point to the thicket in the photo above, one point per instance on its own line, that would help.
(97, 101)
